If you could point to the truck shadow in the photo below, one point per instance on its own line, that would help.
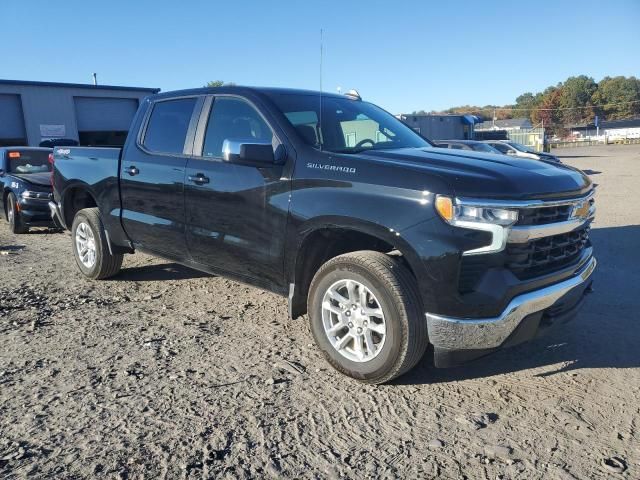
(12, 248)
(605, 334)
(158, 272)
(43, 231)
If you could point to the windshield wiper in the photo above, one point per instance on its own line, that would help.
(350, 150)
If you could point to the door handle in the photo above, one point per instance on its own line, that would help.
(132, 171)
(199, 179)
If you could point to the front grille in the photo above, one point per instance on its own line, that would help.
(545, 255)
(40, 196)
(542, 215)
(528, 260)
(541, 256)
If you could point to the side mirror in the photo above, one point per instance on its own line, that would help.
(248, 152)
(511, 152)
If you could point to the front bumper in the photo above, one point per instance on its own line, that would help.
(456, 340)
(35, 212)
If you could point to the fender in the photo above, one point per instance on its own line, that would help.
(381, 232)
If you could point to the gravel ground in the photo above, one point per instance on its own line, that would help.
(167, 372)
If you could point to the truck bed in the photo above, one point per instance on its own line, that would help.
(95, 169)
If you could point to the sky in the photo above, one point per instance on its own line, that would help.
(402, 55)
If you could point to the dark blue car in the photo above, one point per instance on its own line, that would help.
(25, 179)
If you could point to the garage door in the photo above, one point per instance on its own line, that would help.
(104, 121)
(11, 121)
(104, 114)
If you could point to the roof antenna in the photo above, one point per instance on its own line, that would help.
(95, 79)
(320, 116)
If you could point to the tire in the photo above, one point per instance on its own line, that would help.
(94, 260)
(16, 225)
(390, 295)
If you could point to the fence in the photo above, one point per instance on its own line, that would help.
(531, 137)
(589, 143)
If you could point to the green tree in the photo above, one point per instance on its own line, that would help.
(617, 97)
(219, 83)
(575, 99)
(525, 104)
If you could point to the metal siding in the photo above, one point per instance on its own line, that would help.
(51, 105)
(11, 117)
(104, 114)
(437, 127)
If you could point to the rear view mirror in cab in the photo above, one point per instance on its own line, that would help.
(248, 152)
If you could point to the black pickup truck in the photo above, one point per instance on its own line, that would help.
(387, 243)
(25, 182)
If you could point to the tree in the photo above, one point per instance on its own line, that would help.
(219, 83)
(617, 97)
(525, 104)
(576, 99)
(547, 111)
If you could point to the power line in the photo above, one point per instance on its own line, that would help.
(512, 109)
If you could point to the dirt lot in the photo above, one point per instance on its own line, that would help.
(167, 372)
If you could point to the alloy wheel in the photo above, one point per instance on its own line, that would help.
(353, 320)
(86, 245)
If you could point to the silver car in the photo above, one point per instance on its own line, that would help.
(507, 147)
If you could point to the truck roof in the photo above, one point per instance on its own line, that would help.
(241, 89)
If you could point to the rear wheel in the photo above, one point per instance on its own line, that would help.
(366, 316)
(90, 247)
(16, 225)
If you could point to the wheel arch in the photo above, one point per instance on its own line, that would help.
(75, 197)
(330, 237)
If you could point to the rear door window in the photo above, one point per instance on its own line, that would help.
(168, 125)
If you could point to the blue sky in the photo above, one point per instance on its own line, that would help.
(403, 55)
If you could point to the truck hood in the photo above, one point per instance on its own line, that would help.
(42, 179)
(486, 175)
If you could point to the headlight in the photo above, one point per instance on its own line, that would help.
(460, 214)
(496, 221)
(38, 195)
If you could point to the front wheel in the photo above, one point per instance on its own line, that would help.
(90, 247)
(366, 316)
(16, 225)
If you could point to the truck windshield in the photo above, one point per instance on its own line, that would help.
(346, 125)
(28, 161)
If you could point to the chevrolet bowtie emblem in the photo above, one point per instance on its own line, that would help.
(581, 210)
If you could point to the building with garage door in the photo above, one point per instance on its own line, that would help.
(31, 112)
(441, 127)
